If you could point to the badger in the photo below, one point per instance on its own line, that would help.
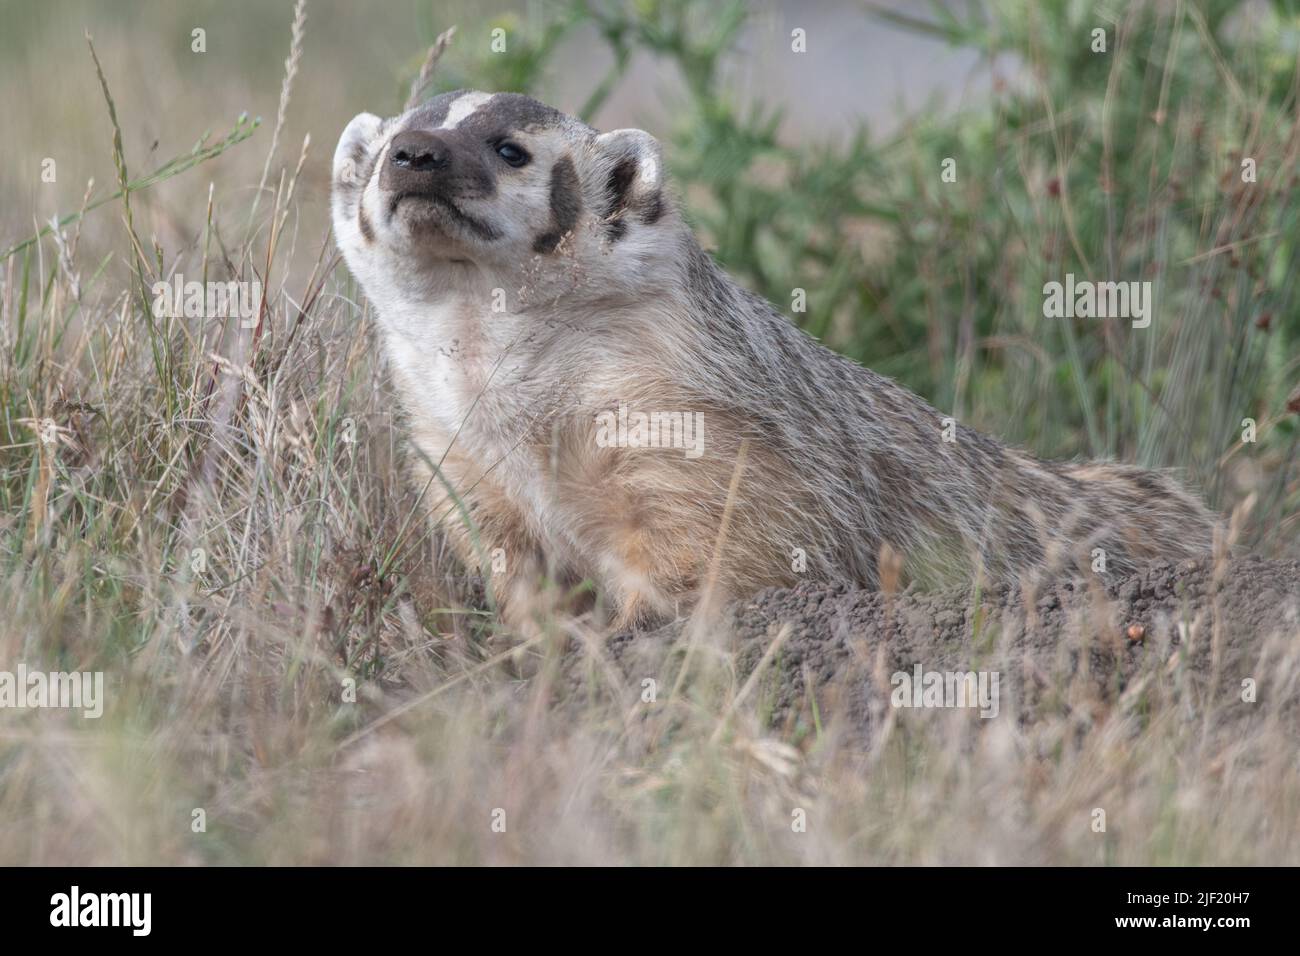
(542, 303)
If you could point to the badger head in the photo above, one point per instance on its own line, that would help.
(479, 190)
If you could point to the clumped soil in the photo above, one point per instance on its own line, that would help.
(1191, 633)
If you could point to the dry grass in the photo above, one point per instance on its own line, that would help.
(221, 524)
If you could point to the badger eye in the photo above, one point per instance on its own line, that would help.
(512, 154)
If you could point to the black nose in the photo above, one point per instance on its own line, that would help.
(416, 151)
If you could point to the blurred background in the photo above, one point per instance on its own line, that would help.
(818, 170)
(218, 517)
(858, 71)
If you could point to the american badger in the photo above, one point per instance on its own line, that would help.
(591, 398)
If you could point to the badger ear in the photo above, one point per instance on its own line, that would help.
(634, 187)
(350, 156)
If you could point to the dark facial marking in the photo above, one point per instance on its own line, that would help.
(472, 169)
(432, 114)
(653, 210)
(509, 113)
(618, 190)
(620, 181)
(566, 205)
(499, 117)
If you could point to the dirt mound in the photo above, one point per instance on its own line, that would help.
(1223, 642)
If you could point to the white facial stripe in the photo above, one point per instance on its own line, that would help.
(462, 106)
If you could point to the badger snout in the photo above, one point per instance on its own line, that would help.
(440, 173)
(416, 163)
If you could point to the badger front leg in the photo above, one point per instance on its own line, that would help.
(487, 532)
(650, 524)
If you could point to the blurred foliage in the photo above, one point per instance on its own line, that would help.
(1115, 166)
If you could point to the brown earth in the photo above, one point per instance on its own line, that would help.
(1191, 632)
